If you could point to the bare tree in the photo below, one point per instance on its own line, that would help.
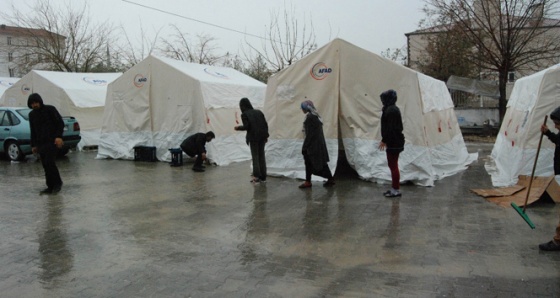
(397, 54)
(285, 42)
(508, 35)
(180, 47)
(62, 39)
(129, 52)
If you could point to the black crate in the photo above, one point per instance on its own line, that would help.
(145, 153)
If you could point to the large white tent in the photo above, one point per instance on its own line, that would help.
(6, 83)
(81, 95)
(345, 81)
(532, 98)
(160, 101)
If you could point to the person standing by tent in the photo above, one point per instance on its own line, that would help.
(195, 145)
(392, 138)
(314, 149)
(46, 127)
(554, 244)
(256, 126)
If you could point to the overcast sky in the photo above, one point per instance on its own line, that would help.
(374, 25)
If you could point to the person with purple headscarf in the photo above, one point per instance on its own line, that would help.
(314, 149)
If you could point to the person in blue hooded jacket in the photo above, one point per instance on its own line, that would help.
(392, 138)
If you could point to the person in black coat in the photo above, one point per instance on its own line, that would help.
(392, 138)
(195, 145)
(256, 126)
(314, 149)
(554, 244)
(46, 127)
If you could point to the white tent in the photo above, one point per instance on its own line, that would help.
(532, 98)
(344, 82)
(160, 101)
(81, 95)
(6, 83)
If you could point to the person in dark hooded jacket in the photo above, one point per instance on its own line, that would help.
(554, 244)
(256, 126)
(46, 127)
(195, 145)
(392, 138)
(314, 149)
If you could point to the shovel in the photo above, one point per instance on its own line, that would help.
(517, 208)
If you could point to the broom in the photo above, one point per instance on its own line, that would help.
(517, 208)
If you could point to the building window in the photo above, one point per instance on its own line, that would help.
(12, 72)
(10, 57)
(9, 40)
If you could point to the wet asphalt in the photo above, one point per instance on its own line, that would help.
(145, 229)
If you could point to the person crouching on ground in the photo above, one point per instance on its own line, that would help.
(392, 139)
(554, 244)
(46, 127)
(314, 149)
(256, 126)
(195, 145)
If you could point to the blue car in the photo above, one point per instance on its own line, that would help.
(15, 134)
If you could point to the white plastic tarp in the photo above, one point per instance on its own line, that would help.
(6, 83)
(160, 102)
(344, 82)
(532, 98)
(80, 95)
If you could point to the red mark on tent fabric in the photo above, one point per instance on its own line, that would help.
(439, 126)
(517, 129)
(207, 119)
(236, 121)
(512, 143)
(505, 132)
(448, 125)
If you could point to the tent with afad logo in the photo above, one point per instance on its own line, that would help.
(161, 101)
(6, 83)
(532, 98)
(345, 81)
(76, 94)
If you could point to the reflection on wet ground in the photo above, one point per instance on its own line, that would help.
(123, 229)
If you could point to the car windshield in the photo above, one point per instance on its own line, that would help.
(24, 113)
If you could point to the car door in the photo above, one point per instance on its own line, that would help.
(5, 128)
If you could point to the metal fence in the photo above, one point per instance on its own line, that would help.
(469, 100)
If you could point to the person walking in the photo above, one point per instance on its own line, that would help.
(554, 244)
(314, 149)
(256, 126)
(392, 138)
(195, 145)
(46, 127)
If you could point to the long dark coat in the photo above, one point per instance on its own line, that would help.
(314, 145)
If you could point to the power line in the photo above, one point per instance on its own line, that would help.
(198, 21)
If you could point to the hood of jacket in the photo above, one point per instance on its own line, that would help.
(555, 115)
(245, 104)
(35, 98)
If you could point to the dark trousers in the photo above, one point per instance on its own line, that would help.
(192, 153)
(48, 157)
(259, 160)
(393, 161)
(325, 172)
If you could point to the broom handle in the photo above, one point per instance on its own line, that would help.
(534, 166)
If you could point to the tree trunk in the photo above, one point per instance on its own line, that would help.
(503, 100)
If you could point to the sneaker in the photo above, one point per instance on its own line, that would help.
(198, 169)
(328, 183)
(46, 191)
(393, 194)
(549, 246)
(305, 184)
(387, 192)
(255, 180)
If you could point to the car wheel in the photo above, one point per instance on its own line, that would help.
(14, 152)
(62, 152)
